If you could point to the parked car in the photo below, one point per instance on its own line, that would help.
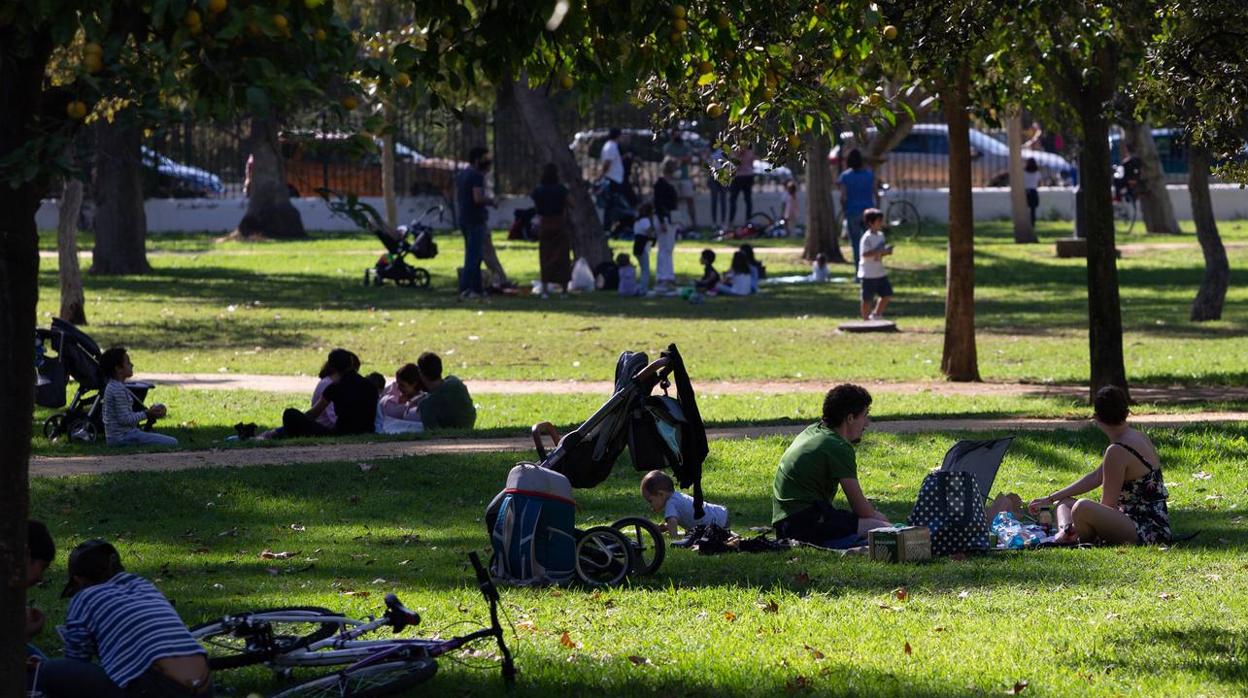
(165, 178)
(647, 149)
(921, 159)
(351, 164)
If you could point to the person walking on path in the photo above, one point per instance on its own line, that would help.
(1031, 186)
(857, 185)
(742, 183)
(680, 151)
(554, 246)
(472, 200)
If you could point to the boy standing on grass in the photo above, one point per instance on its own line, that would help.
(660, 493)
(873, 250)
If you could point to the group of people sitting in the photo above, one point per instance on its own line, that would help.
(822, 461)
(418, 399)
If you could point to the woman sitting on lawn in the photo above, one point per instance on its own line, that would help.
(353, 398)
(1133, 495)
(398, 410)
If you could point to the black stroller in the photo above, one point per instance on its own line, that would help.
(415, 239)
(64, 352)
(660, 432)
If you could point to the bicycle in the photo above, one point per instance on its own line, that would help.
(1126, 198)
(309, 636)
(901, 217)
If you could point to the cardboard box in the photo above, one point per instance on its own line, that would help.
(900, 543)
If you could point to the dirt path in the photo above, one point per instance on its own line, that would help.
(304, 384)
(366, 453)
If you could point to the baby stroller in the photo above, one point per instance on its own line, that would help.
(531, 521)
(415, 239)
(76, 355)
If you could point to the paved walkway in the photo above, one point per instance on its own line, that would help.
(44, 466)
(304, 385)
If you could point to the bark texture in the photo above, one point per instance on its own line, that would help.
(1156, 209)
(1212, 293)
(120, 222)
(959, 360)
(1024, 232)
(73, 304)
(269, 211)
(821, 230)
(388, 194)
(537, 111)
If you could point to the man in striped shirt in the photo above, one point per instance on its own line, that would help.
(143, 645)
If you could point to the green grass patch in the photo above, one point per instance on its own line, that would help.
(276, 307)
(1108, 622)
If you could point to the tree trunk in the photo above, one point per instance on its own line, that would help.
(73, 304)
(21, 104)
(959, 361)
(387, 167)
(269, 211)
(1024, 232)
(534, 105)
(120, 221)
(1208, 303)
(821, 232)
(1104, 309)
(1155, 206)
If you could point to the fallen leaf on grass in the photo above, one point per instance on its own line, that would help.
(813, 652)
(964, 595)
(298, 527)
(352, 592)
(1019, 687)
(901, 593)
(907, 649)
(566, 641)
(365, 467)
(267, 554)
(939, 629)
(769, 606)
(637, 661)
(1201, 475)
(379, 580)
(1111, 616)
(1167, 596)
(527, 625)
(797, 683)
(886, 607)
(729, 616)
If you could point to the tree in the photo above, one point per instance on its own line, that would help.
(120, 221)
(1024, 232)
(822, 232)
(1156, 209)
(269, 211)
(1212, 293)
(73, 301)
(177, 54)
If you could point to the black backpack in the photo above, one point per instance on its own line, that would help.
(952, 508)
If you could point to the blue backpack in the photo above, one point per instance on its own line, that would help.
(532, 528)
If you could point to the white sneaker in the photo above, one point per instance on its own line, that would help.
(873, 316)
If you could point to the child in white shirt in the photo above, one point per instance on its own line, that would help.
(872, 251)
(677, 507)
(645, 228)
(819, 268)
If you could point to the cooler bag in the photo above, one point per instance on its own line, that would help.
(951, 507)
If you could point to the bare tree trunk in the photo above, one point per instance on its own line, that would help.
(959, 361)
(120, 221)
(21, 106)
(387, 167)
(534, 105)
(1104, 308)
(1023, 230)
(269, 211)
(73, 304)
(1155, 206)
(1212, 294)
(821, 231)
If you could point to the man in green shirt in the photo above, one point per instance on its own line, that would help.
(820, 460)
(447, 404)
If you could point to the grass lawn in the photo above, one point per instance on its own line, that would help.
(279, 307)
(1102, 622)
(204, 418)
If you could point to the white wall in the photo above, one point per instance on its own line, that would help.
(222, 215)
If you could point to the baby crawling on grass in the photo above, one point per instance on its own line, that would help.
(677, 507)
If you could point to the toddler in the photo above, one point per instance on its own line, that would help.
(710, 278)
(873, 250)
(677, 507)
(628, 276)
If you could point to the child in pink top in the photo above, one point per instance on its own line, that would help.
(398, 409)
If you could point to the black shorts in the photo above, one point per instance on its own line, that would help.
(876, 287)
(821, 523)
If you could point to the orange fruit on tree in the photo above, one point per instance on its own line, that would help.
(890, 32)
(216, 7)
(723, 20)
(679, 25)
(320, 35)
(93, 63)
(403, 80)
(76, 110)
(280, 21)
(794, 140)
(705, 67)
(565, 81)
(350, 103)
(192, 18)
(714, 110)
(678, 11)
(93, 49)
(768, 94)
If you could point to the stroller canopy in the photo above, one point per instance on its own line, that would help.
(982, 459)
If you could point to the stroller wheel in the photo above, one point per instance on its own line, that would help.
(405, 281)
(82, 429)
(367, 280)
(604, 557)
(421, 277)
(647, 542)
(54, 426)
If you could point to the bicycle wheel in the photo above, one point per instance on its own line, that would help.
(903, 219)
(256, 636)
(604, 556)
(761, 220)
(366, 682)
(649, 548)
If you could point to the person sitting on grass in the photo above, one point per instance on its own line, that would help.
(628, 276)
(737, 280)
(352, 396)
(1132, 507)
(121, 419)
(818, 462)
(398, 410)
(875, 284)
(448, 404)
(143, 645)
(710, 278)
(660, 493)
(819, 268)
(328, 417)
